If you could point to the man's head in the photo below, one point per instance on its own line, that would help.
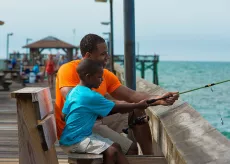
(94, 47)
(90, 72)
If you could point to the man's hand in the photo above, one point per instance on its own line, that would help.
(169, 99)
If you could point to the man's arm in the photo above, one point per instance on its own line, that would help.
(65, 90)
(63, 116)
(129, 95)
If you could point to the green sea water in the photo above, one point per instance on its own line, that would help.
(182, 76)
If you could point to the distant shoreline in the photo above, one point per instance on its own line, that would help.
(201, 61)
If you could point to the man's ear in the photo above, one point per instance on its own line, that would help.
(87, 55)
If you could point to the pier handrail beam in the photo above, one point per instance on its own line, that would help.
(182, 134)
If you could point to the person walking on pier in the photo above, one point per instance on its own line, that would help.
(50, 70)
(94, 47)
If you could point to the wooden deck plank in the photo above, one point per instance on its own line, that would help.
(16, 161)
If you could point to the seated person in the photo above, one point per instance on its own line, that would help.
(13, 62)
(25, 76)
(9, 64)
(25, 60)
(36, 70)
(81, 109)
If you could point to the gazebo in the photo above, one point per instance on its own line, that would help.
(50, 42)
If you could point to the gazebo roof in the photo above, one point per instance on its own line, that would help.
(50, 42)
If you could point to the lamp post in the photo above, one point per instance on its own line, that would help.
(7, 44)
(109, 41)
(109, 65)
(111, 31)
(27, 42)
(105, 23)
(109, 45)
(2, 23)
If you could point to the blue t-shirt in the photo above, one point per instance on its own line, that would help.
(82, 107)
(35, 69)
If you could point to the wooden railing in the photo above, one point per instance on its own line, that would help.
(36, 126)
(180, 132)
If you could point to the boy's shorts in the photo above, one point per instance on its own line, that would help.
(93, 144)
(106, 131)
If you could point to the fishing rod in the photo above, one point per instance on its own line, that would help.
(206, 86)
(191, 90)
(145, 118)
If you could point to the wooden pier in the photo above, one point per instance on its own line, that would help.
(143, 63)
(179, 132)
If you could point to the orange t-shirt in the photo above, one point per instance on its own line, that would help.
(67, 77)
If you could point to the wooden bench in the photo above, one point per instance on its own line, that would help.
(15, 76)
(5, 83)
(37, 132)
(1, 77)
(75, 158)
(11, 74)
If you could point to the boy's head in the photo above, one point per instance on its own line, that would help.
(94, 47)
(90, 72)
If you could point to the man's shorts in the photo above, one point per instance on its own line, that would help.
(105, 131)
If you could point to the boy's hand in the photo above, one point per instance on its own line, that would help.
(143, 104)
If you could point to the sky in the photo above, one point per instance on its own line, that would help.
(177, 30)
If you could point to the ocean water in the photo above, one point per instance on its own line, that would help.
(182, 76)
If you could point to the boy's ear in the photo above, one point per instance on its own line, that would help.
(87, 75)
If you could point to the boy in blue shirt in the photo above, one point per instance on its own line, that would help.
(81, 109)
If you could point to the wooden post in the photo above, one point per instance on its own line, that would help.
(36, 126)
(142, 69)
(70, 54)
(155, 71)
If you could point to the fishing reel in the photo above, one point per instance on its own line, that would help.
(138, 121)
(142, 119)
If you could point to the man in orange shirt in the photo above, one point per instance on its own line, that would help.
(94, 47)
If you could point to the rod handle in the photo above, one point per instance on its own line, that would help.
(151, 101)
